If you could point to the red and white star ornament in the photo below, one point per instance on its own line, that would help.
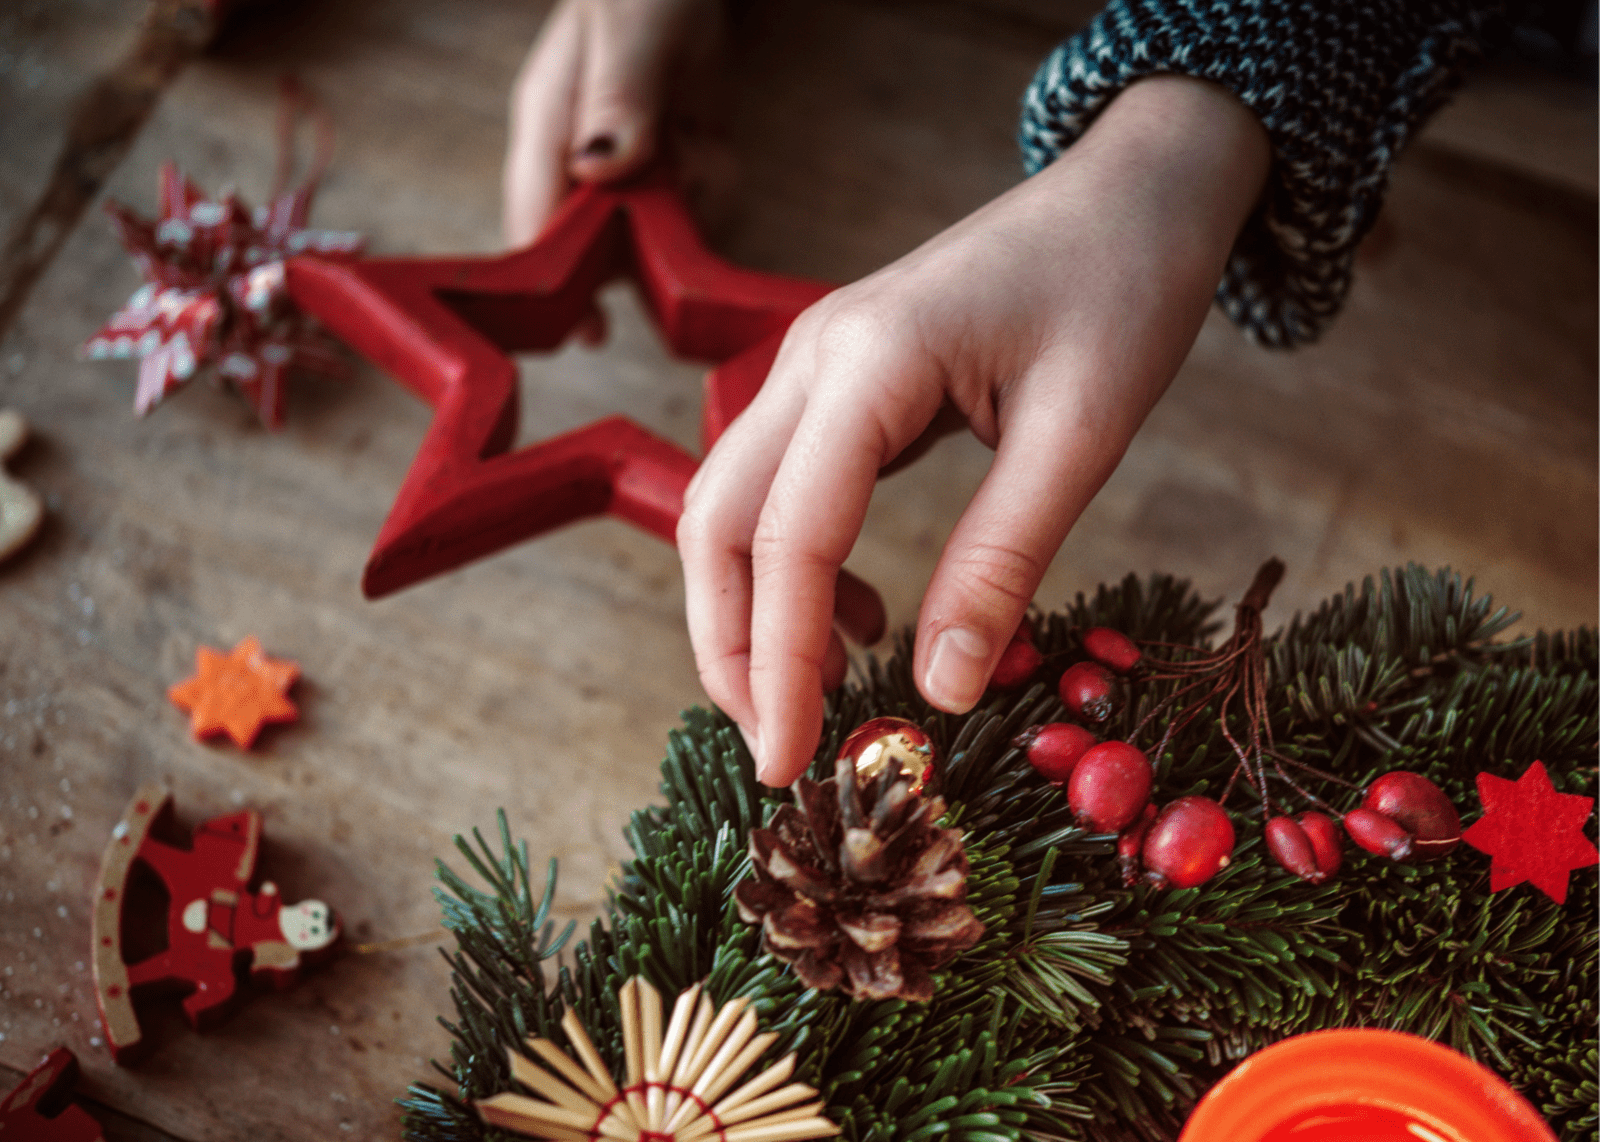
(215, 295)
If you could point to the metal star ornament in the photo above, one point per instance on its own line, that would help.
(236, 693)
(215, 298)
(444, 327)
(1533, 832)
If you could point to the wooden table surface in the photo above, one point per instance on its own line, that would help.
(1449, 418)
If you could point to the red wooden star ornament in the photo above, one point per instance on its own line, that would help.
(1533, 832)
(41, 1109)
(236, 693)
(443, 327)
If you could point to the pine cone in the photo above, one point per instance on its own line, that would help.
(858, 888)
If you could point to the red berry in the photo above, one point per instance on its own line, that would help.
(1055, 749)
(1131, 843)
(1019, 662)
(1377, 834)
(1111, 648)
(1324, 837)
(1089, 690)
(1189, 842)
(1419, 807)
(1291, 848)
(1109, 786)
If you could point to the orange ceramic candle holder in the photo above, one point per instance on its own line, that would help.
(1363, 1085)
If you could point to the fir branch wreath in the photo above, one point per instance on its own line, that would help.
(1090, 1009)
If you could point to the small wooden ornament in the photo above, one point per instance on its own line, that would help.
(216, 924)
(444, 327)
(236, 693)
(20, 508)
(679, 1085)
(1532, 832)
(41, 1110)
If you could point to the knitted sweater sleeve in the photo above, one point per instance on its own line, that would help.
(1340, 86)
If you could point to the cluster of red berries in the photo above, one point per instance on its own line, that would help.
(1108, 782)
(1403, 815)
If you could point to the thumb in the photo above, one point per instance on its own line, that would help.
(627, 50)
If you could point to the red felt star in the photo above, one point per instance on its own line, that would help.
(214, 295)
(443, 328)
(236, 693)
(1532, 832)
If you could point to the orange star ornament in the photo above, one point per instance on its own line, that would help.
(236, 693)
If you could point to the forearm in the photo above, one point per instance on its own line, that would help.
(1339, 85)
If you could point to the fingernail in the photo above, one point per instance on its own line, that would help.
(956, 669)
(599, 147)
(752, 742)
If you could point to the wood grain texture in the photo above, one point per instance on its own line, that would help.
(1449, 417)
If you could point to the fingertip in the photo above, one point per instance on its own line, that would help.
(788, 737)
(610, 152)
(957, 668)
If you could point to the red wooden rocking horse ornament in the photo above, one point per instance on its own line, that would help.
(443, 327)
(214, 919)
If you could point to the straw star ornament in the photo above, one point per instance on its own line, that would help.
(679, 1085)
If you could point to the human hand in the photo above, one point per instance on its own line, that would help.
(589, 103)
(1052, 319)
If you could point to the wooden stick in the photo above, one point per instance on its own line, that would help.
(530, 1074)
(633, 1047)
(770, 1103)
(587, 1055)
(655, 1096)
(691, 1044)
(682, 1012)
(701, 1127)
(720, 1026)
(735, 1070)
(526, 1114)
(716, 1072)
(782, 1131)
(559, 1061)
(774, 1076)
(650, 1015)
